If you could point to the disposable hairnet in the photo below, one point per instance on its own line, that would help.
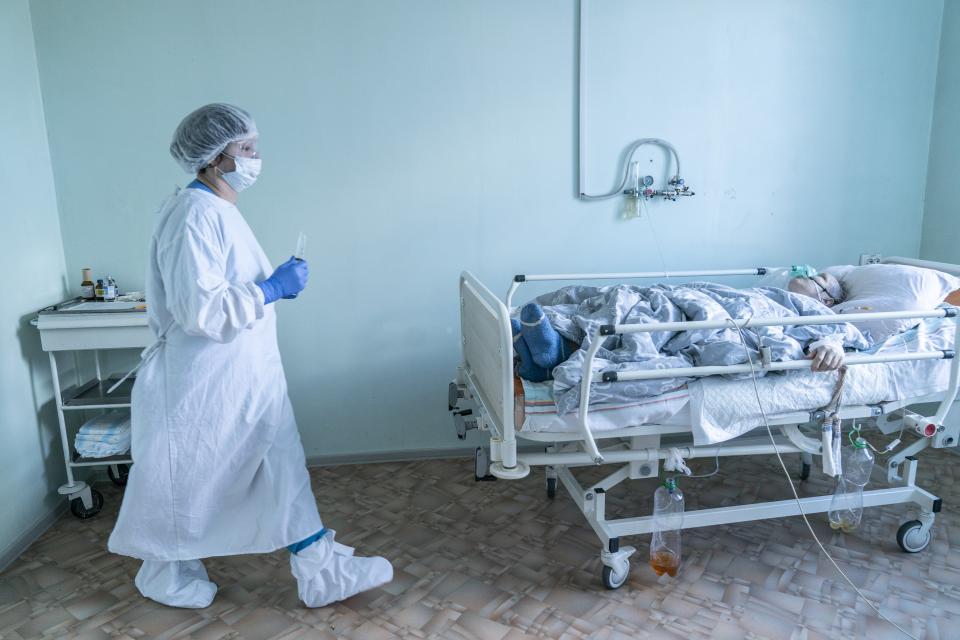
(203, 134)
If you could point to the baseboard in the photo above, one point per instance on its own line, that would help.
(27, 538)
(402, 456)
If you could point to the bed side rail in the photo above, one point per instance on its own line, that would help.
(952, 269)
(604, 331)
(520, 279)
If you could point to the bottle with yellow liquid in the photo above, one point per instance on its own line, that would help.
(86, 286)
(846, 506)
(667, 523)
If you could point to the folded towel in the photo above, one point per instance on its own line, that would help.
(102, 439)
(107, 422)
(106, 435)
(102, 451)
(102, 431)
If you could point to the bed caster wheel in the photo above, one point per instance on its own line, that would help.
(118, 474)
(80, 511)
(614, 579)
(804, 470)
(911, 538)
(551, 488)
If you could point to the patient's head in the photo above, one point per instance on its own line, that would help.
(823, 287)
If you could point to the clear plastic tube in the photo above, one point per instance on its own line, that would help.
(301, 246)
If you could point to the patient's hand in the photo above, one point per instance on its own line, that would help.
(826, 355)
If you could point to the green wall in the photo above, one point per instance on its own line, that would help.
(941, 219)
(33, 267)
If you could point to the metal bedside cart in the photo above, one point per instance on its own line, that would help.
(77, 325)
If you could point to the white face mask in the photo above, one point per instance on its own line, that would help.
(245, 174)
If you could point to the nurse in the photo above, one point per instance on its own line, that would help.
(220, 469)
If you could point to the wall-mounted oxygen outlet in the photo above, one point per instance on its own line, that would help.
(869, 258)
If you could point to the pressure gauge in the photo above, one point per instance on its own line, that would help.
(648, 181)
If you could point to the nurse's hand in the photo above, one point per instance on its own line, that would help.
(289, 279)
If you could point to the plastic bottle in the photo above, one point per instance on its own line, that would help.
(846, 506)
(667, 522)
(857, 462)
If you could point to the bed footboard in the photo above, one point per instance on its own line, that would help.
(488, 364)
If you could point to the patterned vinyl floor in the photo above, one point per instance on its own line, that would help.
(500, 561)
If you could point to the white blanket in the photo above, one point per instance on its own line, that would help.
(723, 409)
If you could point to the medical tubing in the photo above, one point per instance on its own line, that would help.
(626, 172)
(796, 496)
(716, 469)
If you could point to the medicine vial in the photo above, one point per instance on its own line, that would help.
(86, 286)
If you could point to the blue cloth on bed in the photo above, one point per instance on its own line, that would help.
(527, 368)
(547, 347)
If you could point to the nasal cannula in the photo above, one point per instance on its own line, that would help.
(301, 246)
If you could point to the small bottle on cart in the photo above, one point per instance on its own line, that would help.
(86, 286)
(98, 291)
(110, 290)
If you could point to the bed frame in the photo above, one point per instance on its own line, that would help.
(483, 397)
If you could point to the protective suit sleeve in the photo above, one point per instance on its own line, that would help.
(199, 296)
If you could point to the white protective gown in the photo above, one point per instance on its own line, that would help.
(218, 464)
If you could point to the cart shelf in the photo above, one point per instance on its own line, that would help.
(93, 394)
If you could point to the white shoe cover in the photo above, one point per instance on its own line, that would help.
(177, 583)
(327, 571)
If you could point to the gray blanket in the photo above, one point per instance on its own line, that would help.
(577, 311)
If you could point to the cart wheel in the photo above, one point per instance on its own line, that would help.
(911, 539)
(615, 579)
(551, 488)
(77, 508)
(118, 477)
(804, 470)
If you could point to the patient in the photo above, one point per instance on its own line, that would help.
(540, 347)
(822, 286)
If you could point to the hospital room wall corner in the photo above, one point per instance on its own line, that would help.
(940, 240)
(31, 456)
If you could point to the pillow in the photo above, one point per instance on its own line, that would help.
(891, 287)
(839, 271)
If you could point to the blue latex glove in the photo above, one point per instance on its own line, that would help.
(287, 281)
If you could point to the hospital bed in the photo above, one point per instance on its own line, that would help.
(633, 440)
